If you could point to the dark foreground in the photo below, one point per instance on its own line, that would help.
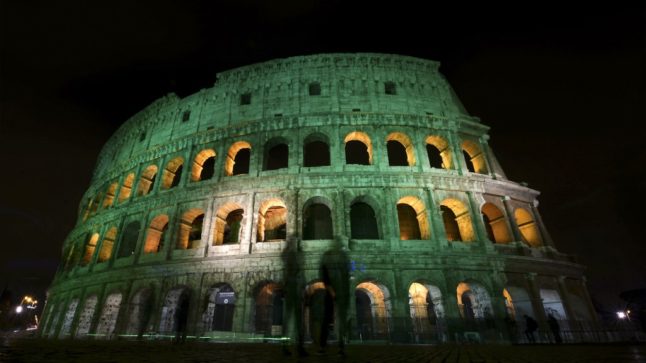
(124, 351)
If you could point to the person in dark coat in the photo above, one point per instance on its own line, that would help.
(555, 328)
(530, 327)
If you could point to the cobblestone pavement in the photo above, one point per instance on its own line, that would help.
(124, 351)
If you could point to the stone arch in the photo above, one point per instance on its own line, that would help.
(126, 187)
(474, 157)
(316, 150)
(358, 148)
(363, 219)
(172, 174)
(276, 155)
(109, 314)
(528, 228)
(174, 312)
(110, 193)
(426, 309)
(399, 146)
(413, 221)
(228, 224)
(495, 224)
(272, 220)
(86, 317)
(90, 246)
(147, 180)
(474, 302)
(238, 159)
(220, 308)
(457, 220)
(129, 239)
(156, 234)
(139, 311)
(203, 165)
(372, 301)
(517, 302)
(190, 229)
(439, 153)
(108, 244)
(317, 219)
(269, 301)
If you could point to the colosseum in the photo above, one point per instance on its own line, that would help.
(215, 214)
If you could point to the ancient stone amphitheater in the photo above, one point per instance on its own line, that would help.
(371, 156)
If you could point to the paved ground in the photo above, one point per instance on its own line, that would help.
(157, 352)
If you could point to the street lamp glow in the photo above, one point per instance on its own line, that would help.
(621, 315)
(19, 309)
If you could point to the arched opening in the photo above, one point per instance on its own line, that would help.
(173, 173)
(317, 222)
(473, 301)
(400, 150)
(139, 312)
(553, 304)
(268, 319)
(108, 243)
(220, 308)
(156, 235)
(110, 194)
(396, 153)
(474, 158)
(358, 148)
(68, 319)
(147, 180)
(495, 224)
(94, 205)
(238, 158)
(439, 154)
(272, 221)
(228, 223)
(413, 222)
(457, 221)
(203, 165)
(276, 154)
(517, 302)
(86, 317)
(126, 188)
(190, 229)
(129, 239)
(316, 151)
(318, 313)
(450, 225)
(426, 311)
(363, 222)
(90, 246)
(527, 226)
(174, 313)
(108, 320)
(373, 310)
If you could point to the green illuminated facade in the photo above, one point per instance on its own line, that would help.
(194, 200)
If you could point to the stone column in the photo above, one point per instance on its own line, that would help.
(545, 236)
(537, 306)
(484, 149)
(509, 210)
(476, 219)
(438, 233)
(456, 149)
(565, 299)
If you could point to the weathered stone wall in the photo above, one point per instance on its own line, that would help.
(120, 287)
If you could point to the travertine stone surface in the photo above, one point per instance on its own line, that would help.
(160, 267)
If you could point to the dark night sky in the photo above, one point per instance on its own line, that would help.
(561, 85)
